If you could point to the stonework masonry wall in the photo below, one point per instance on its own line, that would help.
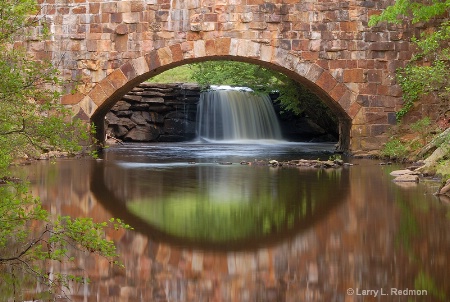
(326, 44)
(155, 113)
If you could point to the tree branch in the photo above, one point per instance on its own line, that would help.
(17, 130)
(29, 247)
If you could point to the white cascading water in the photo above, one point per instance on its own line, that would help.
(227, 114)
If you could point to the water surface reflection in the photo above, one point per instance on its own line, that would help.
(369, 234)
(217, 207)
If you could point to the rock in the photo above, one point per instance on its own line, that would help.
(150, 93)
(445, 190)
(132, 98)
(126, 122)
(338, 162)
(124, 113)
(157, 100)
(142, 134)
(111, 118)
(403, 172)
(117, 130)
(121, 29)
(155, 118)
(407, 178)
(120, 106)
(139, 106)
(328, 164)
(167, 87)
(111, 141)
(437, 155)
(140, 117)
(190, 87)
(273, 162)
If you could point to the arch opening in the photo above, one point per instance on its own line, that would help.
(316, 88)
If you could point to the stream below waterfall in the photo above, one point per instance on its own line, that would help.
(204, 231)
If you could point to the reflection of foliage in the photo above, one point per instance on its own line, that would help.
(425, 282)
(267, 209)
(409, 232)
(30, 240)
(408, 226)
(196, 217)
(33, 121)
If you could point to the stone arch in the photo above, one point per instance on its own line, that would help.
(98, 101)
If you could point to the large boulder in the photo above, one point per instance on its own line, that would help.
(142, 134)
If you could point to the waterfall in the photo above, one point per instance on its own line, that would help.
(236, 115)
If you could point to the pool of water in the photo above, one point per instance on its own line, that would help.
(205, 231)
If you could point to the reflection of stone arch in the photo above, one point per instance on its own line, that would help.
(98, 101)
(336, 193)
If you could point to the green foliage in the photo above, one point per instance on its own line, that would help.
(335, 157)
(428, 72)
(292, 96)
(394, 149)
(33, 122)
(15, 17)
(423, 128)
(180, 74)
(415, 11)
(258, 78)
(30, 239)
(31, 119)
(234, 73)
(418, 80)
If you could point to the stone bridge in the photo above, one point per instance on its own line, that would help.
(111, 46)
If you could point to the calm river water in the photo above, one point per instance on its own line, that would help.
(206, 231)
